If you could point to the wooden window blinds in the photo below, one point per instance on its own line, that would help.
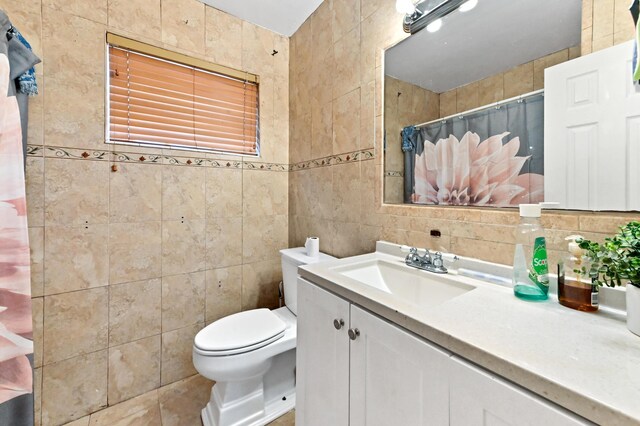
(157, 101)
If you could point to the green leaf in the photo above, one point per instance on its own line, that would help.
(617, 259)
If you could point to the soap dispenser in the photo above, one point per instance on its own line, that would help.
(575, 289)
(530, 265)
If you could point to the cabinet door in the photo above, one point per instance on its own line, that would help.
(322, 359)
(481, 398)
(396, 378)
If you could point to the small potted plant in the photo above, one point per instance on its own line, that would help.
(616, 262)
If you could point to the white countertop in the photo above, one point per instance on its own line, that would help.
(588, 363)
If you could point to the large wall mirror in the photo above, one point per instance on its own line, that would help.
(468, 116)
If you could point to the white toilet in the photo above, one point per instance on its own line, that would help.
(251, 356)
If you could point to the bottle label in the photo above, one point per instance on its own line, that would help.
(594, 296)
(539, 271)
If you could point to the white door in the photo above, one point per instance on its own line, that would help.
(592, 132)
(322, 358)
(479, 398)
(396, 378)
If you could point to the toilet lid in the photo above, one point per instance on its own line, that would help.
(242, 330)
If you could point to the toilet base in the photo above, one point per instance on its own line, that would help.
(253, 388)
(272, 411)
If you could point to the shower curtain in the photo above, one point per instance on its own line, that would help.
(16, 346)
(493, 157)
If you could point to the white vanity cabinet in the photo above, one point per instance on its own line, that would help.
(365, 372)
(355, 368)
(322, 358)
(396, 378)
(480, 398)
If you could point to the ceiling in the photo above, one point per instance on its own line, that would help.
(281, 16)
(495, 36)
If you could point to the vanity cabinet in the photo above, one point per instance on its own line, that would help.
(395, 377)
(481, 398)
(355, 368)
(322, 358)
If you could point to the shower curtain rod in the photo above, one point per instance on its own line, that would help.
(491, 105)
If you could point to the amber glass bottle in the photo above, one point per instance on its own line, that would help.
(575, 289)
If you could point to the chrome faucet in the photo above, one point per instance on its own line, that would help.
(426, 262)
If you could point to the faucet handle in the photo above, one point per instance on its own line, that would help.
(413, 252)
(437, 260)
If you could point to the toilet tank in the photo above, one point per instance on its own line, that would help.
(291, 259)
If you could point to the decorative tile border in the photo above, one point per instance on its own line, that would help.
(349, 157)
(265, 166)
(146, 158)
(193, 161)
(34, 150)
(394, 173)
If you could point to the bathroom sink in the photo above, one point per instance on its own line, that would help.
(410, 285)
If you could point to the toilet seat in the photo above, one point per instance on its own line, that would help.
(242, 350)
(239, 333)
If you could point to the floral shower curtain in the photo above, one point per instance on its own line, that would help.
(16, 334)
(493, 157)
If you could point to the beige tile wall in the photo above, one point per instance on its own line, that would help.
(517, 81)
(406, 104)
(605, 23)
(129, 265)
(315, 193)
(176, 404)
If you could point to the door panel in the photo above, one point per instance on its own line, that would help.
(396, 378)
(322, 359)
(479, 398)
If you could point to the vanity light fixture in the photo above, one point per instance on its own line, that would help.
(435, 25)
(427, 12)
(468, 5)
(405, 6)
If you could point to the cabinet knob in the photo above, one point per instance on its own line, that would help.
(353, 333)
(338, 323)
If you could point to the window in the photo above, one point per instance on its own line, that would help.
(165, 99)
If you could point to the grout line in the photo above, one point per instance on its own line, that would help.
(206, 239)
(242, 230)
(108, 301)
(162, 186)
(44, 226)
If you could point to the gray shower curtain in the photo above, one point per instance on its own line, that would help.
(16, 334)
(493, 157)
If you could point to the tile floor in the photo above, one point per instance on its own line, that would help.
(288, 419)
(177, 404)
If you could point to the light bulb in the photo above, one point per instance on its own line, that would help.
(405, 6)
(434, 26)
(468, 5)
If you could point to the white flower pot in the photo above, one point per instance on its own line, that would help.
(633, 309)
